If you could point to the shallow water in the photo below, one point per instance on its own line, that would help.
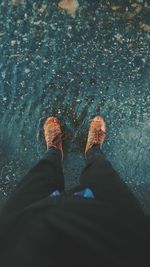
(74, 68)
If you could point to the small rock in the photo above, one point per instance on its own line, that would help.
(15, 2)
(145, 27)
(71, 6)
(13, 42)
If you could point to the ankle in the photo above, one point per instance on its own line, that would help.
(95, 150)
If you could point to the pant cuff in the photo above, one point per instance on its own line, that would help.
(53, 152)
(94, 153)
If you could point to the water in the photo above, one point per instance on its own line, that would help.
(53, 64)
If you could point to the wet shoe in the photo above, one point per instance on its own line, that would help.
(97, 133)
(53, 134)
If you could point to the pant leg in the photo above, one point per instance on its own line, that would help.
(104, 181)
(44, 178)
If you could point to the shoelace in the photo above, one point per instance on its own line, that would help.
(52, 136)
(96, 137)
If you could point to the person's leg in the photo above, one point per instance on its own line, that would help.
(103, 180)
(99, 175)
(44, 178)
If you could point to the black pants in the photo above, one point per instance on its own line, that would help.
(47, 176)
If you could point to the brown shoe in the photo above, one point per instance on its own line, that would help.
(97, 133)
(53, 134)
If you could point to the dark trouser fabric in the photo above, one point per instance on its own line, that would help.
(105, 182)
(67, 230)
(44, 178)
(47, 176)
